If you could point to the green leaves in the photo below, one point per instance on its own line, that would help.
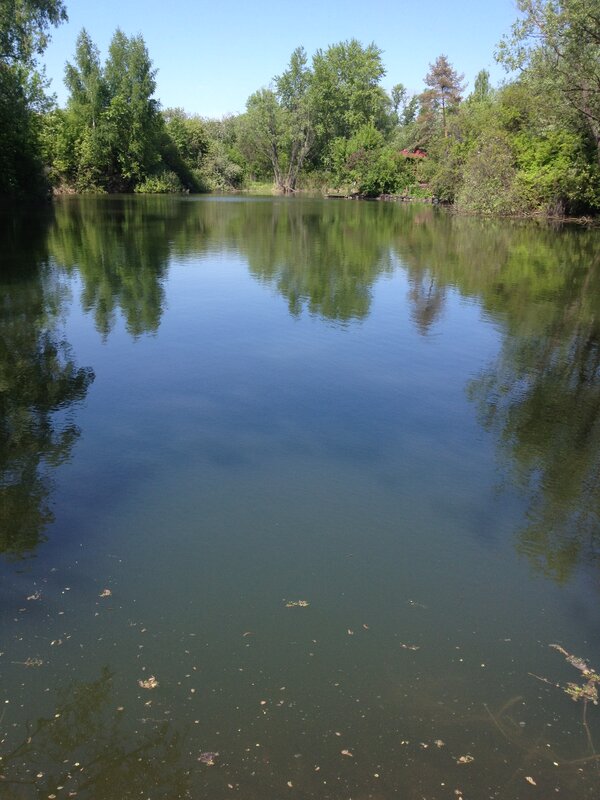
(112, 118)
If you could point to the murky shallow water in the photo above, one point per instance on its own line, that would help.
(215, 408)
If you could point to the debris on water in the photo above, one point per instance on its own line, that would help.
(439, 743)
(587, 691)
(414, 604)
(348, 753)
(350, 632)
(30, 662)
(149, 683)
(297, 604)
(530, 780)
(410, 646)
(105, 593)
(207, 758)
(35, 596)
(465, 759)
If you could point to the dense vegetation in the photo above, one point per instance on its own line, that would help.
(530, 145)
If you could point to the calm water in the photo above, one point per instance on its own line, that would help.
(212, 409)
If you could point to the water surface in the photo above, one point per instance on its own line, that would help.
(215, 408)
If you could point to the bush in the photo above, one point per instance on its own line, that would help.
(165, 182)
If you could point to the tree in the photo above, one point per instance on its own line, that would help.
(24, 26)
(132, 112)
(398, 95)
(482, 88)
(85, 81)
(112, 134)
(347, 93)
(279, 122)
(445, 85)
(559, 42)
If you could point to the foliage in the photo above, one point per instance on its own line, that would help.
(368, 166)
(347, 93)
(111, 136)
(165, 182)
(560, 44)
(24, 26)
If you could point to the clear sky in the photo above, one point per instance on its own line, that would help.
(211, 56)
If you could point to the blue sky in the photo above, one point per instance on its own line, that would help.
(211, 56)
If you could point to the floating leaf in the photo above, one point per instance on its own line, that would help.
(208, 758)
(149, 683)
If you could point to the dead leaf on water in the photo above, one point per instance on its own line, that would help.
(465, 759)
(105, 593)
(348, 753)
(530, 780)
(149, 683)
(208, 758)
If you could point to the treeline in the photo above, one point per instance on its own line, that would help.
(531, 145)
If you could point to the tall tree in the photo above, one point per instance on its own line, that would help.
(293, 92)
(446, 87)
(132, 112)
(24, 27)
(279, 122)
(560, 43)
(347, 92)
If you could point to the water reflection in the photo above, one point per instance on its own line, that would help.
(540, 398)
(120, 248)
(84, 748)
(39, 384)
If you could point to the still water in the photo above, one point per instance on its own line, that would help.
(295, 497)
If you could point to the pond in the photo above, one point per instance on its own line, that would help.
(296, 498)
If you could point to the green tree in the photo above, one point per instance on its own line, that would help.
(24, 26)
(24, 30)
(347, 93)
(132, 112)
(278, 123)
(560, 43)
(293, 93)
(262, 134)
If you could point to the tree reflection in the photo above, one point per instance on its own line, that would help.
(85, 748)
(39, 383)
(120, 248)
(326, 261)
(541, 398)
